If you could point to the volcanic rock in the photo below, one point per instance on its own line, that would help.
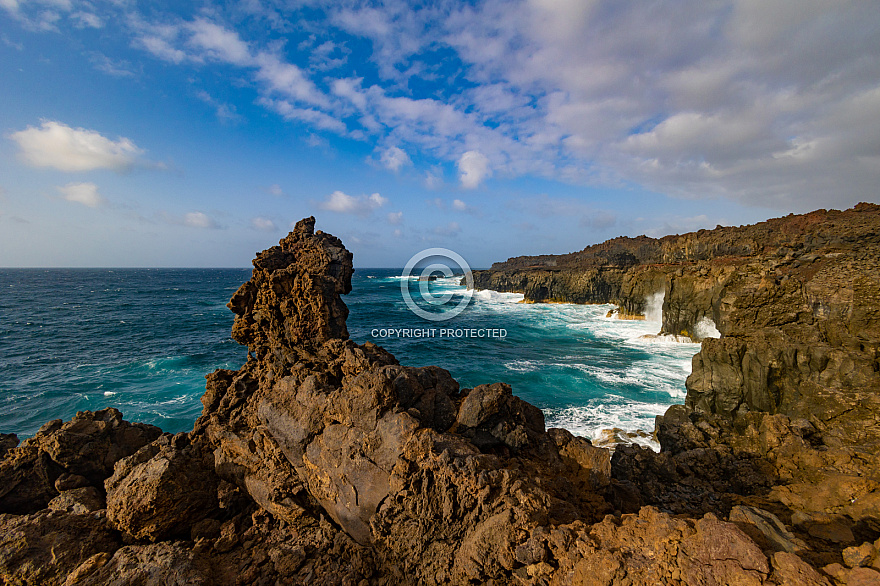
(43, 547)
(161, 490)
(87, 446)
(324, 461)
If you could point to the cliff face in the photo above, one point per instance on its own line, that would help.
(323, 461)
(793, 383)
(795, 300)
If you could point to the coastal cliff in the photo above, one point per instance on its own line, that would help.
(322, 461)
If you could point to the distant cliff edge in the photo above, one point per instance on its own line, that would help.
(323, 461)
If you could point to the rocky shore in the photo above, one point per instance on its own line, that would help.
(321, 461)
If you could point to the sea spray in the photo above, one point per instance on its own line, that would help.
(654, 307)
(586, 372)
(706, 328)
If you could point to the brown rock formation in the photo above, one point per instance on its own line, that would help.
(322, 461)
(87, 446)
(784, 405)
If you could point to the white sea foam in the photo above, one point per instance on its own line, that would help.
(523, 365)
(665, 369)
(611, 412)
(666, 376)
(487, 296)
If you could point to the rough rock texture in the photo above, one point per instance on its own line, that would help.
(43, 547)
(322, 461)
(781, 410)
(88, 446)
(161, 490)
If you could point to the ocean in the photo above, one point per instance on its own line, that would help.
(142, 340)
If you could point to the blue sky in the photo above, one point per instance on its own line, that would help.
(195, 134)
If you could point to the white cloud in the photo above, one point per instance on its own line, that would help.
(395, 218)
(219, 43)
(459, 205)
(263, 224)
(361, 205)
(199, 220)
(82, 193)
(434, 179)
(201, 40)
(275, 190)
(694, 99)
(288, 80)
(394, 158)
(58, 146)
(162, 49)
(473, 167)
(308, 115)
(39, 15)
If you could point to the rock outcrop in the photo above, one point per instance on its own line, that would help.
(784, 405)
(68, 455)
(324, 461)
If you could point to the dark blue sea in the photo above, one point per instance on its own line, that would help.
(142, 340)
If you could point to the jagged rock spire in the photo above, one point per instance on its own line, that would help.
(293, 297)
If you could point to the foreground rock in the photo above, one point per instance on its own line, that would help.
(322, 461)
(66, 456)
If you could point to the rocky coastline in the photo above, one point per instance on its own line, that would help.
(322, 461)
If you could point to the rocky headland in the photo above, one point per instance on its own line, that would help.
(322, 461)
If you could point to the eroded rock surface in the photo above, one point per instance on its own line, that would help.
(324, 461)
(87, 446)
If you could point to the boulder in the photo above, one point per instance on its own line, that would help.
(78, 500)
(790, 570)
(162, 490)
(766, 529)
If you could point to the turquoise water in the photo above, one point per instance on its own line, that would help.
(142, 340)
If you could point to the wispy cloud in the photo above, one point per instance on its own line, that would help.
(450, 229)
(83, 19)
(692, 99)
(199, 220)
(263, 224)
(105, 64)
(225, 112)
(195, 219)
(362, 205)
